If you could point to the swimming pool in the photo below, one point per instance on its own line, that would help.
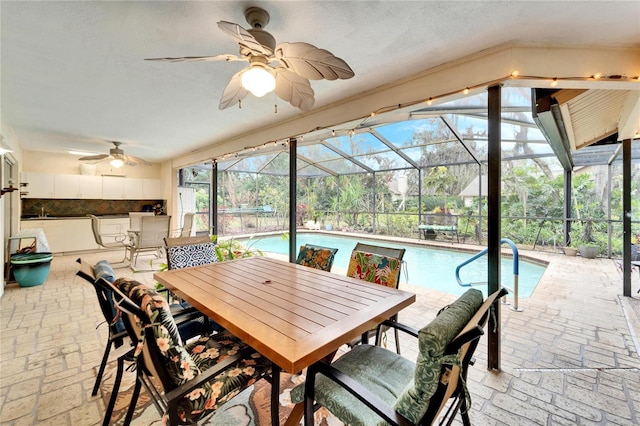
(426, 267)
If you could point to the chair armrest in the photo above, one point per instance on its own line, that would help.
(399, 326)
(355, 389)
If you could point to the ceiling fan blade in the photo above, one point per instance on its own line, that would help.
(130, 160)
(242, 37)
(227, 58)
(234, 92)
(292, 88)
(93, 157)
(310, 62)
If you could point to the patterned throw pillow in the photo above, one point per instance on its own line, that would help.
(432, 342)
(374, 268)
(192, 255)
(316, 257)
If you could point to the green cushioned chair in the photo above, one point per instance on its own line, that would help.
(370, 385)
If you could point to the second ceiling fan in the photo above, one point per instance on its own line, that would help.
(286, 67)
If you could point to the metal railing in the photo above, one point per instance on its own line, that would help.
(516, 267)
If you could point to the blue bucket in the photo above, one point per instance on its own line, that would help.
(31, 269)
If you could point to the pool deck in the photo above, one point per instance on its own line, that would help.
(572, 356)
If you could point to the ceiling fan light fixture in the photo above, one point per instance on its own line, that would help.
(116, 163)
(258, 80)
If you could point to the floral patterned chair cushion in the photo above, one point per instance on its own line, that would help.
(316, 257)
(191, 255)
(432, 341)
(374, 268)
(183, 363)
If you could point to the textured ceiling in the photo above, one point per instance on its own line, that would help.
(73, 74)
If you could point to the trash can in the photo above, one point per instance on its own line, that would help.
(31, 269)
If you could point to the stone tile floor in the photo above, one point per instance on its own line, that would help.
(572, 356)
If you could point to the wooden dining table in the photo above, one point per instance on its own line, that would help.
(293, 315)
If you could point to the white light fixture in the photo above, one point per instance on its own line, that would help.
(258, 80)
(116, 163)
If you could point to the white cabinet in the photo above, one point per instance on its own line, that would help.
(65, 235)
(66, 186)
(41, 185)
(152, 189)
(90, 187)
(133, 189)
(77, 186)
(121, 188)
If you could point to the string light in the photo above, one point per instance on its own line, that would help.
(553, 82)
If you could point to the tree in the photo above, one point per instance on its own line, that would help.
(440, 181)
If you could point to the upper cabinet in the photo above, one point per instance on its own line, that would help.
(77, 186)
(123, 188)
(65, 186)
(40, 184)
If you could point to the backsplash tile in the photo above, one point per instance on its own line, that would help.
(57, 207)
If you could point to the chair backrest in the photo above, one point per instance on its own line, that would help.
(93, 274)
(95, 227)
(135, 219)
(376, 264)
(183, 252)
(184, 241)
(453, 334)
(398, 253)
(187, 224)
(153, 231)
(317, 257)
(139, 303)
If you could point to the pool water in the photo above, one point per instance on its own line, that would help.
(425, 267)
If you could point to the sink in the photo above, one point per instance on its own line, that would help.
(41, 218)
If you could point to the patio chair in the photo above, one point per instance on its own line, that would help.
(183, 252)
(135, 219)
(370, 385)
(120, 239)
(187, 226)
(194, 379)
(150, 238)
(189, 325)
(380, 265)
(317, 257)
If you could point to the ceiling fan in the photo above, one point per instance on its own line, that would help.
(286, 67)
(116, 157)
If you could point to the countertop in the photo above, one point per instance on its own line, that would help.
(107, 216)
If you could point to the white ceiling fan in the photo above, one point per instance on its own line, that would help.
(116, 157)
(286, 67)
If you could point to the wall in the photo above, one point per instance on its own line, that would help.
(49, 162)
(11, 142)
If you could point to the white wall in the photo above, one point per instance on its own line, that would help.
(49, 162)
(10, 141)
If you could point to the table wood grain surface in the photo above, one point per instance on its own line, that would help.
(291, 314)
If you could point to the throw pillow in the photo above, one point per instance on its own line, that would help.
(191, 255)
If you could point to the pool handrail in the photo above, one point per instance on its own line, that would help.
(516, 263)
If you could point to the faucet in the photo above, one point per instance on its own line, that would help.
(42, 212)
